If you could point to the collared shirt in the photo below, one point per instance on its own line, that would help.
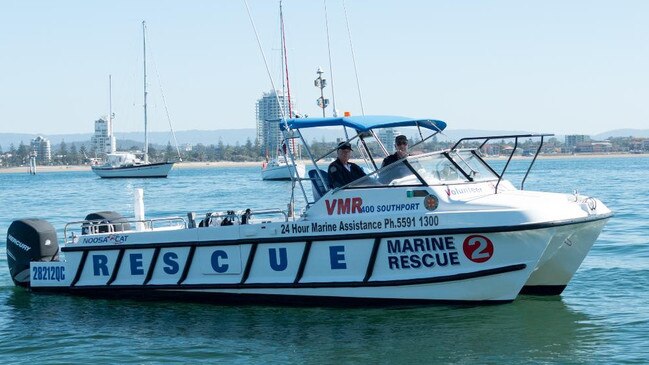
(391, 159)
(342, 174)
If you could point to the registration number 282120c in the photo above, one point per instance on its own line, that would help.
(50, 273)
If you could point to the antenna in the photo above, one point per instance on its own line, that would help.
(331, 68)
(321, 83)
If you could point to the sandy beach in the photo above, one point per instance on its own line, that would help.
(221, 164)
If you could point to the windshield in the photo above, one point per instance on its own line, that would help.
(434, 168)
(474, 166)
(395, 174)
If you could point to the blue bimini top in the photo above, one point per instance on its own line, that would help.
(364, 123)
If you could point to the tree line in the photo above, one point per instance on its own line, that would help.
(81, 153)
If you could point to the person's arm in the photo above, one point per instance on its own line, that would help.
(359, 171)
(335, 176)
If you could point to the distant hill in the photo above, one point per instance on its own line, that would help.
(234, 136)
(638, 133)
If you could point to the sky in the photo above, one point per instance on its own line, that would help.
(552, 66)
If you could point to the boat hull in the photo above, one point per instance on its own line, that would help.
(160, 169)
(568, 250)
(282, 172)
(373, 268)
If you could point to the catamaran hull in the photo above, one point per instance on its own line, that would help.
(350, 296)
(160, 169)
(566, 252)
(433, 266)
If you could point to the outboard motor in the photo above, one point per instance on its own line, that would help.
(118, 222)
(29, 240)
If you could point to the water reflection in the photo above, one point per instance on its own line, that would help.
(599, 318)
(531, 328)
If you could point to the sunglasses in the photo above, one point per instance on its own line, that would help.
(402, 143)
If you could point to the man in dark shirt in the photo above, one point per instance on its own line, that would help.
(341, 171)
(401, 144)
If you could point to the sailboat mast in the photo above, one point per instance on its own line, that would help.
(285, 62)
(146, 134)
(285, 77)
(110, 113)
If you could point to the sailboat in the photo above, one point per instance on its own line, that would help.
(281, 167)
(126, 164)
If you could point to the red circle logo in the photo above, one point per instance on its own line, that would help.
(478, 248)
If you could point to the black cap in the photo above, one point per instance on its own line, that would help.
(401, 138)
(345, 146)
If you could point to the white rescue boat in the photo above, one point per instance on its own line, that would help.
(437, 227)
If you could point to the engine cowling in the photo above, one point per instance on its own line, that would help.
(28, 240)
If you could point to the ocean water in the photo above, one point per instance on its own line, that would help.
(602, 317)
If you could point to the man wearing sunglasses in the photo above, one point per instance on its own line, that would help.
(401, 144)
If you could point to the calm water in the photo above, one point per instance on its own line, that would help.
(602, 317)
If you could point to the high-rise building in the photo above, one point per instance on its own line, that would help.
(41, 147)
(387, 136)
(103, 140)
(269, 114)
(574, 140)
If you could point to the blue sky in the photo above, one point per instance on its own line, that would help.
(540, 66)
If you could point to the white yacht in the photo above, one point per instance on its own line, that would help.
(279, 169)
(125, 164)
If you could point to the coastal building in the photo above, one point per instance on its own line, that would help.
(103, 141)
(492, 149)
(41, 147)
(594, 147)
(602, 147)
(575, 140)
(387, 136)
(268, 113)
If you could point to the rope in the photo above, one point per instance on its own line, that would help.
(285, 70)
(351, 45)
(282, 112)
(164, 101)
(263, 55)
(285, 61)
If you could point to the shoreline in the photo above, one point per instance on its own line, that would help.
(221, 164)
(177, 165)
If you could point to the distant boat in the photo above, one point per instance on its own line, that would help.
(126, 164)
(279, 169)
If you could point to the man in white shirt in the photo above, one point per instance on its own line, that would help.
(341, 171)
